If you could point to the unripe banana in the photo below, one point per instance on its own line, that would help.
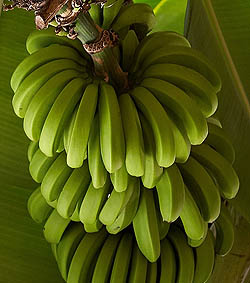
(159, 121)
(54, 227)
(111, 130)
(74, 188)
(105, 259)
(32, 83)
(224, 232)
(221, 169)
(120, 179)
(40, 58)
(204, 260)
(191, 218)
(96, 166)
(117, 202)
(55, 178)
(168, 262)
(78, 140)
(146, 227)
(138, 270)
(185, 256)
(153, 171)
(42, 38)
(80, 267)
(134, 143)
(38, 208)
(67, 247)
(171, 193)
(129, 45)
(59, 115)
(120, 269)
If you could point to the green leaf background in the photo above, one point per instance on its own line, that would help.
(25, 257)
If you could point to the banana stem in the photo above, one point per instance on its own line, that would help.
(105, 63)
(86, 29)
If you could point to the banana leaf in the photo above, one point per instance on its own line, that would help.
(24, 254)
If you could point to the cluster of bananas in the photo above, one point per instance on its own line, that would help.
(102, 257)
(118, 161)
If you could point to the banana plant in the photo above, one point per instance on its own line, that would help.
(25, 255)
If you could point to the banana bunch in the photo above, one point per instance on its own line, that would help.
(115, 15)
(132, 181)
(102, 257)
(172, 93)
(190, 192)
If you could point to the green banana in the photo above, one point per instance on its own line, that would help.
(59, 115)
(171, 193)
(105, 259)
(95, 12)
(168, 262)
(60, 145)
(39, 165)
(185, 256)
(117, 202)
(129, 45)
(67, 246)
(97, 170)
(42, 38)
(224, 232)
(41, 57)
(93, 202)
(111, 130)
(204, 260)
(79, 137)
(55, 178)
(138, 268)
(75, 216)
(137, 13)
(120, 179)
(127, 214)
(197, 243)
(42, 102)
(76, 185)
(38, 208)
(153, 42)
(120, 269)
(54, 227)
(110, 11)
(218, 140)
(182, 105)
(32, 148)
(159, 121)
(151, 272)
(33, 82)
(93, 227)
(68, 129)
(163, 226)
(191, 218)
(182, 142)
(79, 270)
(221, 169)
(195, 85)
(184, 56)
(146, 227)
(134, 159)
(202, 188)
(152, 171)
